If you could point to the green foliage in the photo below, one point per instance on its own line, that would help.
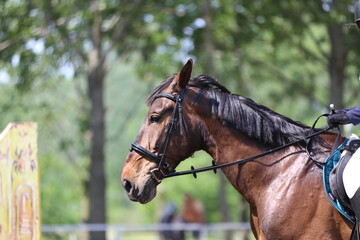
(52, 105)
(276, 53)
(61, 198)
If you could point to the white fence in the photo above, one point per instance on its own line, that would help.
(237, 231)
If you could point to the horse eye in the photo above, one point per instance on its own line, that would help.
(154, 118)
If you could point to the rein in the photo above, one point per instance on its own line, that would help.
(163, 169)
(244, 160)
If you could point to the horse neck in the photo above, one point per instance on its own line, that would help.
(228, 145)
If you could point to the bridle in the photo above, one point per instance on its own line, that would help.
(163, 168)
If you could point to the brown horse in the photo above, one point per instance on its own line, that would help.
(193, 212)
(284, 189)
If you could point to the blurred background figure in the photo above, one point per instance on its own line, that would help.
(170, 216)
(193, 212)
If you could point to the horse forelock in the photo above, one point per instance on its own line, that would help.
(159, 89)
(201, 81)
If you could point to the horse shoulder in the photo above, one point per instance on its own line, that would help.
(294, 206)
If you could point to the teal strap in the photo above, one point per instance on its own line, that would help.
(330, 163)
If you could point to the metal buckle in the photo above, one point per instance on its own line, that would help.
(157, 174)
(165, 165)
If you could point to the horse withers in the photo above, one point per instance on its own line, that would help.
(284, 189)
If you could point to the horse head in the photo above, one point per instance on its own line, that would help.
(163, 140)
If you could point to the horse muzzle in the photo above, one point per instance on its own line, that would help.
(142, 194)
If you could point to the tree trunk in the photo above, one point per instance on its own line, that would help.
(208, 39)
(224, 206)
(97, 183)
(244, 217)
(95, 77)
(210, 68)
(337, 64)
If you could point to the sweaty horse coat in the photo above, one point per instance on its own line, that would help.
(284, 189)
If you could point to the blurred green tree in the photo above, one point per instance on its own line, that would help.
(82, 34)
(294, 56)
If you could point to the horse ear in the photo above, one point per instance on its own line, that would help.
(183, 77)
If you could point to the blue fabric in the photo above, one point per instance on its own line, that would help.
(331, 162)
(354, 115)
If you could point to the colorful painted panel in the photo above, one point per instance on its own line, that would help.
(19, 183)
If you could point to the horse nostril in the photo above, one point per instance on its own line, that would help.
(127, 185)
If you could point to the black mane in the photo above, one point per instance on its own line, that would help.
(243, 114)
